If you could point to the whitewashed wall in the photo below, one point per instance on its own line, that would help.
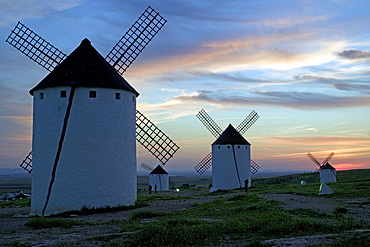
(97, 165)
(161, 180)
(327, 175)
(224, 171)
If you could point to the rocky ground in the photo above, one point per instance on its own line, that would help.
(13, 231)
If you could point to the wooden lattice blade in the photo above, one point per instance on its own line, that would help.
(204, 164)
(146, 167)
(309, 155)
(35, 47)
(327, 158)
(153, 139)
(27, 163)
(254, 167)
(133, 42)
(247, 122)
(211, 125)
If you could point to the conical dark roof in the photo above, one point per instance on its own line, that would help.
(84, 67)
(158, 170)
(327, 166)
(231, 136)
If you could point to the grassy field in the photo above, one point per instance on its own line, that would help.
(350, 184)
(236, 218)
(15, 185)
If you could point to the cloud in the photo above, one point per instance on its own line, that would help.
(222, 76)
(13, 11)
(318, 78)
(296, 100)
(289, 22)
(351, 86)
(233, 54)
(353, 54)
(345, 84)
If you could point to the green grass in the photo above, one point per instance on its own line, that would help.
(243, 216)
(42, 223)
(146, 214)
(350, 188)
(161, 196)
(16, 203)
(99, 210)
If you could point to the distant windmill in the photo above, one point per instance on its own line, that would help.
(327, 172)
(84, 151)
(234, 172)
(158, 177)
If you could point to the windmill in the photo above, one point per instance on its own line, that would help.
(327, 172)
(158, 177)
(211, 125)
(72, 132)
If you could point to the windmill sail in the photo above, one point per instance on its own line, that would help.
(309, 155)
(147, 167)
(254, 167)
(247, 122)
(153, 139)
(326, 160)
(204, 164)
(211, 125)
(27, 163)
(135, 40)
(35, 47)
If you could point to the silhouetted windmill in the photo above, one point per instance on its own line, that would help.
(230, 156)
(112, 129)
(327, 171)
(216, 131)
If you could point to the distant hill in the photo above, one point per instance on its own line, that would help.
(314, 177)
(10, 171)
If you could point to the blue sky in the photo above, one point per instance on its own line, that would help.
(304, 66)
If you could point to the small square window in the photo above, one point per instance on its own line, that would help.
(118, 95)
(92, 94)
(41, 96)
(63, 94)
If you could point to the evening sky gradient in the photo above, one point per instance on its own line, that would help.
(304, 66)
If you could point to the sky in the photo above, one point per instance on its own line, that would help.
(303, 66)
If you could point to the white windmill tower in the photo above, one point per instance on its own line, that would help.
(158, 177)
(327, 172)
(84, 151)
(230, 158)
